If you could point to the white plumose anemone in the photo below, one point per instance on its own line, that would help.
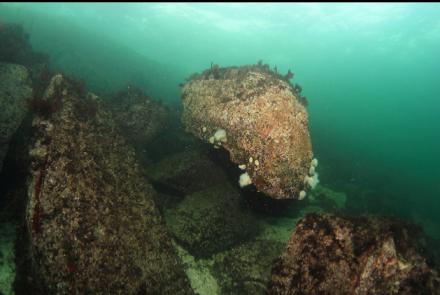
(244, 180)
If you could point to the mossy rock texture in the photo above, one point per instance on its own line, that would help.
(245, 269)
(139, 116)
(7, 257)
(92, 223)
(212, 220)
(15, 90)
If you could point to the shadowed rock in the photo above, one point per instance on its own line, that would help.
(245, 269)
(15, 90)
(188, 172)
(211, 220)
(139, 117)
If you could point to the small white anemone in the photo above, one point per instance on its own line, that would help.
(312, 170)
(220, 135)
(244, 180)
(302, 195)
(314, 163)
(242, 166)
(312, 181)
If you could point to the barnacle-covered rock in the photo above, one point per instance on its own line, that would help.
(92, 223)
(328, 254)
(258, 117)
(15, 89)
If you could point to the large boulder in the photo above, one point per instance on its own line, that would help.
(211, 221)
(328, 254)
(15, 90)
(92, 223)
(261, 119)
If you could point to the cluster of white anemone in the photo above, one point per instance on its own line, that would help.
(311, 180)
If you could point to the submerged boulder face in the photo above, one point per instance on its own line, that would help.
(259, 118)
(15, 90)
(188, 172)
(210, 221)
(91, 219)
(15, 46)
(328, 254)
(139, 117)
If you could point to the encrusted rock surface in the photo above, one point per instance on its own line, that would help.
(328, 254)
(258, 117)
(15, 89)
(212, 220)
(139, 117)
(92, 223)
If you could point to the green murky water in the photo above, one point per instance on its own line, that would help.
(370, 73)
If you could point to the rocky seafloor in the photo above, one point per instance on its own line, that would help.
(120, 195)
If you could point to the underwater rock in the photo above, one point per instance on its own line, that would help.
(15, 46)
(15, 89)
(210, 221)
(187, 172)
(245, 269)
(7, 256)
(328, 254)
(256, 115)
(91, 219)
(139, 117)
